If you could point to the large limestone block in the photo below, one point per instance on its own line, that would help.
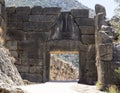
(37, 26)
(100, 9)
(80, 13)
(31, 62)
(36, 69)
(23, 10)
(104, 38)
(85, 21)
(42, 18)
(14, 54)
(116, 52)
(12, 25)
(12, 45)
(108, 30)
(41, 36)
(16, 34)
(11, 17)
(22, 18)
(88, 39)
(91, 54)
(23, 69)
(87, 30)
(10, 10)
(106, 52)
(36, 10)
(32, 77)
(51, 10)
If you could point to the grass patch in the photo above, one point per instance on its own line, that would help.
(113, 89)
(98, 85)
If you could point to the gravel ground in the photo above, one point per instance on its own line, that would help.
(60, 87)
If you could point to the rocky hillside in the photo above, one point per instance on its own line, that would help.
(62, 70)
(70, 58)
(66, 5)
(9, 76)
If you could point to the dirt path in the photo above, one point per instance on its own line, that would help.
(60, 87)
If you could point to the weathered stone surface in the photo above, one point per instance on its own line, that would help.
(11, 18)
(108, 30)
(116, 52)
(85, 21)
(23, 18)
(14, 54)
(19, 26)
(42, 18)
(32, 77)
(61, 70)
(104, 38)
(12, 45)
(10, 10)
(34, 42)
(100, 9)
(99, 21)
(2, 10)
(88, 39)
(3, 24)
(31, 62)
(2, 2)
(41, 26)
(16, 34)
(12, 25)
(36, 69)
(22, 69)
(91, 54)
(87, 30)
(33, 53)
(51, 10)
(8, 72)
(106, 52)
(26, 45)
(65, 28)
(40, 36)
(23, 10)
(36, 10)
(80, 13)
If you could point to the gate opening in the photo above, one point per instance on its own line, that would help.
(64, 66)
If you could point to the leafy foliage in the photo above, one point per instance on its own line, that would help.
(115, 21)
(113, 89)
(117, 70)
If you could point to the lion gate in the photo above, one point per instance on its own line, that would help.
(32, 33)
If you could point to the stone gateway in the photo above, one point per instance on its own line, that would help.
(32, 33)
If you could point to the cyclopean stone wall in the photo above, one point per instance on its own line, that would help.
(107, 52)
(33, 32)
(27, 28)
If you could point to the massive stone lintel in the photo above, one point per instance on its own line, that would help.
(80, 13)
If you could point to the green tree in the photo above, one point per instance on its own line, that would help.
(115, 21)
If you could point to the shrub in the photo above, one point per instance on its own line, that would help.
(113, 89)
